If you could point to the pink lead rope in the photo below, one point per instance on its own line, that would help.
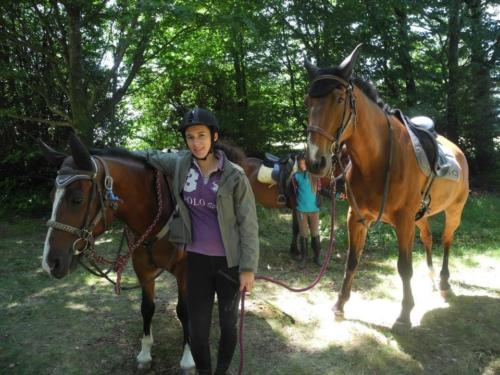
(331, 245)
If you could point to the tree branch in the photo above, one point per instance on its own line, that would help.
(39, 120)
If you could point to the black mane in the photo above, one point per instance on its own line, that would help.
(371, 92)
(365, 86)
(117, 152)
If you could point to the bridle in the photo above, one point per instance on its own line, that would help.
(107, 200)
(343, 122)
(336, 149)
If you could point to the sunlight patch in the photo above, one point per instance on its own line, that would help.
(103, 240)
(78, 306)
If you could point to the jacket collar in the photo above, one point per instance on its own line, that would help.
(186, 161)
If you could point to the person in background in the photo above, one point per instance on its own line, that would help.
(216, 222)
(307, 189)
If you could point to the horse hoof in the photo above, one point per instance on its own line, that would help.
(191, 371)
(401, 326)
(144, 366)
(339, 315)
(447, 293)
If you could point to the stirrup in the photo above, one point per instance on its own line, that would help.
(281, 199)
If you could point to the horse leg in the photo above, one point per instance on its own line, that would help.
(144, 359)
(187, 361)
(294, 250)
(426, 238)
(357, 237)
(405, 231)
(453, 215)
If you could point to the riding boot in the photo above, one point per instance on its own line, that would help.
(316, 247)
(303, 251)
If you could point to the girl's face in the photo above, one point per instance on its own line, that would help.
(302, 165)
(198, 140)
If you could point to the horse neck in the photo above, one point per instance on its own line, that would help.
(134, 184)
(367, 144)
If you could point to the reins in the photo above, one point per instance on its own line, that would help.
(321, 273)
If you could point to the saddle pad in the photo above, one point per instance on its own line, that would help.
(446, 165)
(264, 175)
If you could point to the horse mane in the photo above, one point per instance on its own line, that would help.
(230, 149)
(117, 152)
(233, 152)
(367, 87)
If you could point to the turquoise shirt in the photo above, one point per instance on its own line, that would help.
(306, 197)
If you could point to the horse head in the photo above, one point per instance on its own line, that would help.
(331, 108)
(76, 217)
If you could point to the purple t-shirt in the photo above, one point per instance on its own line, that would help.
(200, 196)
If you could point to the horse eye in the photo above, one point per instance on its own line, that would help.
(340, 100)
(77, 200)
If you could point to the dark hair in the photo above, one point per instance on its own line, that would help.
(300, 156)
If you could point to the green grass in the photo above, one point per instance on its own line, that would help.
(78, 326)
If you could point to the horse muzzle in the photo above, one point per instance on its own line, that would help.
(61, 265)
(319, 166)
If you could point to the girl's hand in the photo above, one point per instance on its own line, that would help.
(247, 280)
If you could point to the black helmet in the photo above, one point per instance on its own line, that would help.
(199, 116)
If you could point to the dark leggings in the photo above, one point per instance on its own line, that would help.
(206, 276)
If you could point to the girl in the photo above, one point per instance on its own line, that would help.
(307, 192)
(216, 222)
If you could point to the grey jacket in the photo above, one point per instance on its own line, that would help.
(236, 211)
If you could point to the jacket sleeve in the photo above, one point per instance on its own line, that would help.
(246, 218)
(163, 161)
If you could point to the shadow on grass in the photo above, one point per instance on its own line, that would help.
(460, 339)
(77, 324)
(463, 338)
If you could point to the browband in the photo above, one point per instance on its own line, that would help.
(325, 83)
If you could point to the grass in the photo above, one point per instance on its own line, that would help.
(78, 326)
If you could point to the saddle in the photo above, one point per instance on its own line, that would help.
(432, 156)
(277, 170)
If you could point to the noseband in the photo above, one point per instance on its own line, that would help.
(107, 199)
(343, 122)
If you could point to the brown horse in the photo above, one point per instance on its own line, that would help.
(86, 202)
(346, 110)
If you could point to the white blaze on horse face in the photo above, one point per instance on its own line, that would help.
(312, 149)
(46, 247)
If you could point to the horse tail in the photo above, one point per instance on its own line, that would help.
(233, 152)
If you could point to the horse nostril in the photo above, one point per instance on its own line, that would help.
(322, 162)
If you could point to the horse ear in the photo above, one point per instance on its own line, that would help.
(347, 65)
(81, 155)
(52, 156)
(312, 69)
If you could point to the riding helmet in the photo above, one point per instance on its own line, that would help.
(199, 116)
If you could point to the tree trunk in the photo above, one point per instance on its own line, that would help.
(482, 110)
(453, 76)
(404, 55)
(81, 119)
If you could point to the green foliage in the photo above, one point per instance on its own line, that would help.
(138, 66)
